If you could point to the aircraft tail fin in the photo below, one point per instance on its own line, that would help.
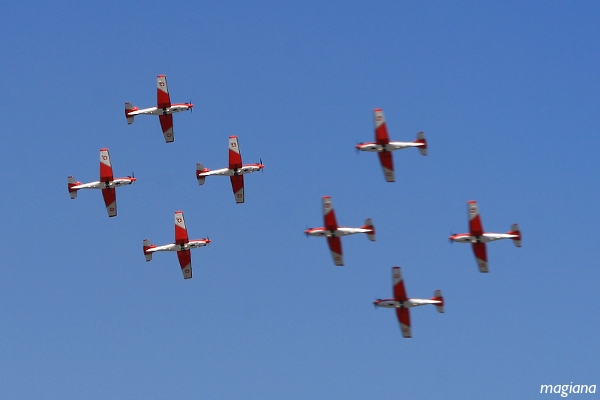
(421, 139)
(514, 230)
(437, 295)
(200, 169)
(128, 107)
(148, 245)
(72, 182)
(369, 225)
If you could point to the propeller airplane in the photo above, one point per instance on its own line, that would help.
(333, 232)
(478, 238)
(182, 246)
(107, 184)
(384, 147)
(164, 109)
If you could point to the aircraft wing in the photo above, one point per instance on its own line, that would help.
(329, 215)
(166, 123)
(163, 100)
(387, 165)
(381, 133)
(403, 315)
(335, 245)
(480, 252)
(398, 285)
(181, 234)
(106, 172)
(475, 225)
(237, 184)
(110, 200)
(185, 260)
(235, 157)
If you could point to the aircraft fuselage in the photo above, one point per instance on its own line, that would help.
(391, 146)
(484, 238)
(104, 185)
(339, 232)
(391, 303)
(175, 108)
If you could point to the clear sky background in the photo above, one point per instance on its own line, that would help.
(507, 94)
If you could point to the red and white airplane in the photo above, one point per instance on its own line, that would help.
(107, 183)
(402, 303)
(182, 246)
(384, 147)
(333, 232)
(235, 172)
(478, 238)
(164, 109)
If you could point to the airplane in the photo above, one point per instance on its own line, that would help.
(402, 303)
(164, 109)
(182, 246)
(478, 238)
(333, 232)
(235, 172)
(384, 147)
(107, 183)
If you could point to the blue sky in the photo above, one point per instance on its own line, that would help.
(507, 94)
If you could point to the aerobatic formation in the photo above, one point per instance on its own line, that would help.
(331, 230)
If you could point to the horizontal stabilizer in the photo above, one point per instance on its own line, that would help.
(199, 170)
(72, 192)
(128, 107)
(147, 245)
(369, 225)
(514, 230)
(421, 139)
(437, 295)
